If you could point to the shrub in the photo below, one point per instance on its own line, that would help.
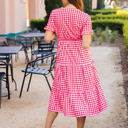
(113, 36)
(104, 35)
(112, 39)
(123, 12)
(112, 24)
(110, 16)
(120, 25)
(98, 31)
(115, 33)
(93, 36)
(38, 24)
(105, 11)
(107, 30)
(125, 33)
(100, 40)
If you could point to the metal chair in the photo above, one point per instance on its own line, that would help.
(32, 68)
(44, 48)
(4, 64)
(2, 74)
(26, 44)
(7, 61)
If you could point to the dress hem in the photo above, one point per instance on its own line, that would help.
(68, 115)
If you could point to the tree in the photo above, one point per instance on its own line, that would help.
(87, 5)
(50, 5)
(100, 4)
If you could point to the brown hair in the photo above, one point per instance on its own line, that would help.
(77, 3)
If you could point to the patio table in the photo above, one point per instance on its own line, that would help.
(30, 35)
(7, 51)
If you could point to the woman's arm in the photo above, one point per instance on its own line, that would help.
(49, 36)
(86, 41)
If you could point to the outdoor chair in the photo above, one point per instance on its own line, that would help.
(25, 43)
(2, 74)
(31, 68)
(4, 64)
(44, 48)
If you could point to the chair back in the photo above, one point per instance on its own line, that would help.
(3, 63)
(2, 74)
(45, 47)
(53, 62)
(51, 56)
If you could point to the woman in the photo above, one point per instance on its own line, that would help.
(76, 89)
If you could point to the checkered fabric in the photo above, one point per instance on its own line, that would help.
(76, 89)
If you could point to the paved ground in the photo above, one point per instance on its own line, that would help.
(30, 111)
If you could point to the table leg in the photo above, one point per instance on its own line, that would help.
(26, 53)
(7, 82)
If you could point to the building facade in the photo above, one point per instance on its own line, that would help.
(15, 14)
(94, 4)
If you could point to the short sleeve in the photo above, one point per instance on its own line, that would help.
(87, 26)
(50, 24)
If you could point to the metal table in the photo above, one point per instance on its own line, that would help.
(30, 35)
(7, 51)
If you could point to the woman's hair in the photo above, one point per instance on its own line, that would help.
(77, 3)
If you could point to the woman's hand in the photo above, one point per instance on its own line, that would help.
(49, 36)
(86, 41)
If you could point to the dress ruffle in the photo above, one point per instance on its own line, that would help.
(77, 91)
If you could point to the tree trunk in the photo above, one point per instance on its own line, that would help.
(100, 4)
(87, 5)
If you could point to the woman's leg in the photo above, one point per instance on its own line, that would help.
(81, 122)
(50, 119)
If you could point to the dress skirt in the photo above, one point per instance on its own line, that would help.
(76, 89)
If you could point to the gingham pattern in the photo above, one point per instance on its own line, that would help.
(76, 89)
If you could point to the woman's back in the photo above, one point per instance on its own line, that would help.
(70, 23)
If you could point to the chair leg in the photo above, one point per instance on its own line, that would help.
(52, 76)
(47, 82)
(29, 82)
(22, 86)
(7, 82)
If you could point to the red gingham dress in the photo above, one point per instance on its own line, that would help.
(76, 89)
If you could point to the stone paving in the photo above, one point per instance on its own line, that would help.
(30, 111)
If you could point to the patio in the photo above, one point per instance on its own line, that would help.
(30, 110)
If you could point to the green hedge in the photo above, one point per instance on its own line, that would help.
(112, 24)
(125, 33)
(38, 24)
(112, 16)
(117, 24)
(104, 11)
